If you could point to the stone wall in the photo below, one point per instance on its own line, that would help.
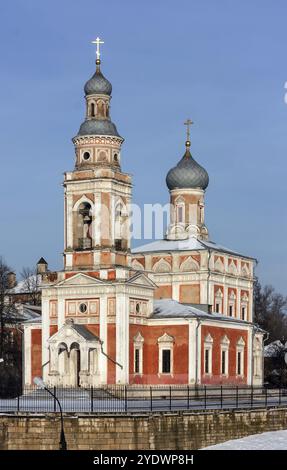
(147, 431)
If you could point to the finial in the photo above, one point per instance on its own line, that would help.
(188, 123)
(98, 41)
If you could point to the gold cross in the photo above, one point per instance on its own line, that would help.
(188, 123)
(98, 41)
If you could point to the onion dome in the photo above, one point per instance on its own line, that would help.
(98, 127)
(187, 174)
(98, 84)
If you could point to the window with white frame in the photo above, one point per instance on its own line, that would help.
(208, 344)
(231, 304)
(165, 354)
(218, 301)
(240, 357)
(224, 353)
(138, 353)
(244, 306)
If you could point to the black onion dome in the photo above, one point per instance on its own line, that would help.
(98, 84)
(187, 174)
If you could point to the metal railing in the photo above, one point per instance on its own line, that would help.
(129, 399)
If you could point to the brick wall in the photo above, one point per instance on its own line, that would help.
(172, 431)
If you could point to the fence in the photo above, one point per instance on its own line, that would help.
(129, 399)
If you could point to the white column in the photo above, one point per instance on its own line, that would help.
(97, 221)
(27, 355)
(199, 354)
(122, 338)
(84, 358)
(250, 305)
(103, 366)
(112, 218)
(69, 220)
(225, 300)
(45, 336)
(249, 345)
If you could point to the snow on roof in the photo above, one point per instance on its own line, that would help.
(183, 245)
(272, 349)
(169, 308)
(21, 286)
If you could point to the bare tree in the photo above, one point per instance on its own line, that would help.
(30, 285)
(10, 344)
(270, 311)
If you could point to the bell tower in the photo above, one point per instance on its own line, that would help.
(97, 192)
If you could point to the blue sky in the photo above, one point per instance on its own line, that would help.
(221, 63)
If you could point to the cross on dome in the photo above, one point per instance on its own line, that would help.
(188, 123)
(98, 42)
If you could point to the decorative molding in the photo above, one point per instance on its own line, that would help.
(162, 266)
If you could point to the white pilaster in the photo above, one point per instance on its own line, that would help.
(122, 338)
(97, 220)
(61, 312)
(191, 352)
(249, 356)
(45, 336)
(175, 291)
(103, 366)
(69, 220)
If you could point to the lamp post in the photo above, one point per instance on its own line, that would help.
(40, 383)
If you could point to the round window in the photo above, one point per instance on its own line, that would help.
(83, 308)
(86, 156)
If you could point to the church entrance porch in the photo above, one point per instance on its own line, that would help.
(74, 357)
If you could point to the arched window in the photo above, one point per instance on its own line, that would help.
(93, 113)
(179, 211)
(208, 345)
(84, 226)
(120, 226)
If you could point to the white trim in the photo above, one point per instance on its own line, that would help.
(165, 343)
(138, 344)
(103, 361)
(207, 347)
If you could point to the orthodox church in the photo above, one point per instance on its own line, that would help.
(173, 311)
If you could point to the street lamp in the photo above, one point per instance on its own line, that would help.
(40, 383)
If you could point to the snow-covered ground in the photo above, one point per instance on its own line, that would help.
(275, 440)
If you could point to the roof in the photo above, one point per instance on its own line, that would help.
(23, 313)
(188, 244)
(98, 127)
(42, 261)
(187, 174)
(98, 84)
(169, 308)
(84, 332)
(22, 286)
